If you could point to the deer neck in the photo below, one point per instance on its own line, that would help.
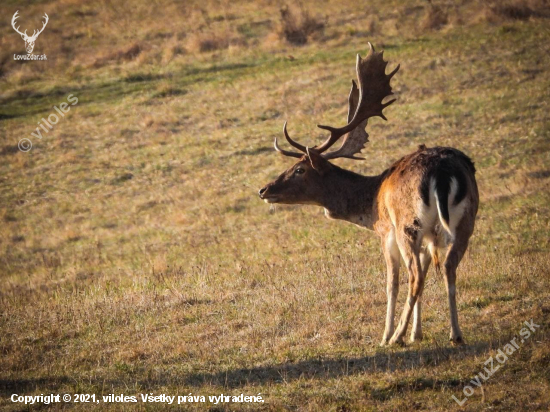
(351, 197)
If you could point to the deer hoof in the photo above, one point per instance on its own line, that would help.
(397, 341)
(457, 341)
(416, 337)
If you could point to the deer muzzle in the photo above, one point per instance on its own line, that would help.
(265, 195)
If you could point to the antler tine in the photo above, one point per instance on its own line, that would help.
(389, 76)
(285, 152)
(292, 142)
(366, 102)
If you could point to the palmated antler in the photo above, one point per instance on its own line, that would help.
(355, 140)
(365, 101)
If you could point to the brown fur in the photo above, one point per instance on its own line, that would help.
(425, 201)
(400, 205)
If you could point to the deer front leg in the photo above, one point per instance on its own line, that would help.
(391, 254)
(416, 284)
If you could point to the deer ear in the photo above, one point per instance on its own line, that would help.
(318, 162)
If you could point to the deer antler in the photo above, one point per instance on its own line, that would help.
(365, 101)
(355, 140)
(35, 35)
(374, 86)
(298, 146)
(13, 19)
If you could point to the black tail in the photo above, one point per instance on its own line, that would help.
(442, 189)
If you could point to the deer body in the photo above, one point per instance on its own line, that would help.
(427, 202)
(424, 203)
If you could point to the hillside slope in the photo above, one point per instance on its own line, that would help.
(135, 256)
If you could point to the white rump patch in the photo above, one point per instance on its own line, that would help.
(428, 214)
(455, 211)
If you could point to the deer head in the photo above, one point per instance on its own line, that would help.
(29, 40)
(304, 183)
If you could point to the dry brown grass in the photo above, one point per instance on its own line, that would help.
(297, 26)
(127, 53)
(497, 11)
(436, 17)
(136, 257)
(211, 41)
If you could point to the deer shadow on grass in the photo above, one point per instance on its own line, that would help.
(389, 360)
(384, 361)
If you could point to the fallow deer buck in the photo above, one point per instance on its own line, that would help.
(423, 203)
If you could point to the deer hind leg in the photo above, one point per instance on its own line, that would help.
(456, 251)
(409, 246)
(392, 256)
(416, 332)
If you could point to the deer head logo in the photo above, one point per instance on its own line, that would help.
(29, 40)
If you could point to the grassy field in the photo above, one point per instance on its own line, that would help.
(136, 257)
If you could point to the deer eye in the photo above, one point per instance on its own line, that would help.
(300, 171)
